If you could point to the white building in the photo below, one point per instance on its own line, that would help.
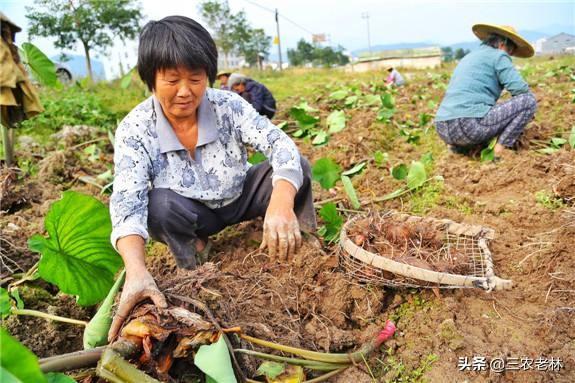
(563, 43)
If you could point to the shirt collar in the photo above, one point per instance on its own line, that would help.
(207, 127)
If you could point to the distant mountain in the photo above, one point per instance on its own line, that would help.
(77, 65)
(531, 36)
(391, 47)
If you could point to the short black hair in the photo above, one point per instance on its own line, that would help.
(494, 39)
(174, 41)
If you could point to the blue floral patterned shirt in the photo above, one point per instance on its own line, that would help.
(148, 155)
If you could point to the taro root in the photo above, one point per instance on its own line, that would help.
(398, 234)
(157, 339)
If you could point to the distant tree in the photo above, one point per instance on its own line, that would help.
(230, 31)
(319, 56)
(303, 54)
(258, 45)
(447, 54)
(460, 53)
(95, 23)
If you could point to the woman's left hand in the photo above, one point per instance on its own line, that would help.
(281, 234)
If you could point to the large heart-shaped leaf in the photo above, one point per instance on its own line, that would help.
(214, 361)
(399, 172)
(42, 68)
(77, 255)
(338, 95)
(336, 121)
(326, 172)
(416, 176)
(387, 101)
(17, 363)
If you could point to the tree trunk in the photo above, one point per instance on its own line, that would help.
(88, 61)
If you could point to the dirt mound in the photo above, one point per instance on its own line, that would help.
(308, 302)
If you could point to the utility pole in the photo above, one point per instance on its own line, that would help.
(365, 15)
(279, 40)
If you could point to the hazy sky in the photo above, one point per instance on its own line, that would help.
(441, 22)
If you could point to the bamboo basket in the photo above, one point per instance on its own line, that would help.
(473, 240)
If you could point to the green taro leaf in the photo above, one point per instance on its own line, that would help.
(380, 157)
(214, 361)
(336, 121)
(42, 68)
(320, 138)
(558, 142)
(77, 255)
(333, 222)
(572, 138)
(387, 101)
(326, 172)
(17, 363)
(351, 100)
(58, 377)
(356, 169)
(282, 125)
(371, 99)
(399, 172)
(385, 114)
(5, 304)
(427, 158)
(416, 176)
(304, 120)
(271, 369)
(256, 158)
(350, 191)
(548, 150)
(306, 107)
(338, 95)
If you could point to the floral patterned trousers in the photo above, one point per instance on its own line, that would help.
(506, 120)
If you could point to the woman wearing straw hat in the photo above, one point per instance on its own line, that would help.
(469, 114)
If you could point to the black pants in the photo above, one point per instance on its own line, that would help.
(178, 221)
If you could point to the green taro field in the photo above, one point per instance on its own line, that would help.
(372, 149)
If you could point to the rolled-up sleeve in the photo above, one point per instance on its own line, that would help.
(129, 201)
(509, 77)
(259, 132)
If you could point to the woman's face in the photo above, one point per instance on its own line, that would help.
(180, 91)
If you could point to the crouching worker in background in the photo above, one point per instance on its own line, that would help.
(469, 114)
(181, 169)
(255, 93)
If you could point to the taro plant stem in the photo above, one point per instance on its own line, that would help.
(40, 314)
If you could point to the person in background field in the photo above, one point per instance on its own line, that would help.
(181, 164)
(255, 93)
(469, 115)
(223, 77)
(394, 77)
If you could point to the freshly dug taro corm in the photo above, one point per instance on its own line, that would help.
(162, 342)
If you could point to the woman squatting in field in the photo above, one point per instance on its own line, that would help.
(469, 114)
(181, 169)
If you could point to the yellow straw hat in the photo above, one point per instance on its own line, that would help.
(524, 49)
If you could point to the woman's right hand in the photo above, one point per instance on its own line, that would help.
(136, 289)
